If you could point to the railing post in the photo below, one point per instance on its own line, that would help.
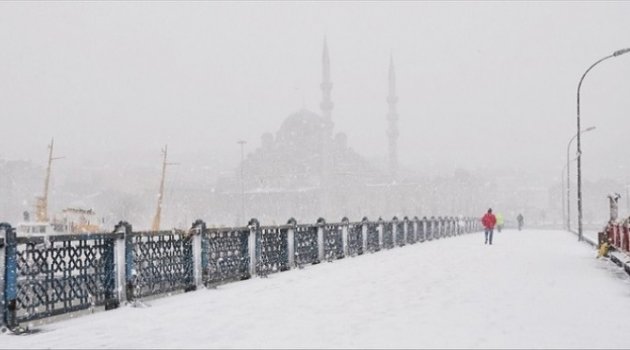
(446, 230)
(406, 230)
(123, 258)
(364, 234)
(10, 276)
(119, 261)
(381, 227)
(254, 226)
(416, 229)
(205, 254)
(320, 239)
(291, 242)
(344, 236)
(3, 239)
(394, 226)
(455, 223)
(198, 231)
(131, 275)
(112, 297)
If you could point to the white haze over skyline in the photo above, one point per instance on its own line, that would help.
(485, 86)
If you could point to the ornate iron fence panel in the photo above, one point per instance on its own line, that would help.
(400, 232)
(455, 223)
(272, 250)
(432, 229)
(227, 255)
(437, 228)
(411, 231)
(162, 262)
(355, 239)
(306, 247)
(333, 241)
(372, 237)
(62, 274)
(388, 235)
(447, 227)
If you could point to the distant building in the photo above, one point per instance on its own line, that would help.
(306, 168)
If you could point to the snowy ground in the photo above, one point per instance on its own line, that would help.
(531, 289)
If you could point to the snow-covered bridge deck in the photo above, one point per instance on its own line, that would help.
(531, 289)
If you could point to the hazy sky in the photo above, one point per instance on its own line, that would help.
(481, 85)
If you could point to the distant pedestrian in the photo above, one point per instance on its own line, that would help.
(519, 218)
(499, 221)
(488, 221)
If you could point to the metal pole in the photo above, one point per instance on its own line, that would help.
(579, 145)
(564, 213)
(568, 166)
(569, 187)
(566, 201)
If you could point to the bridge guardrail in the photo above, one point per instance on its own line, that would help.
(44, 276)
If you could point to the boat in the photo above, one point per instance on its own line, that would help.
(73, 220)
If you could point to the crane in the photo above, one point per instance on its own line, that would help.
(41, 205)
(158, 213)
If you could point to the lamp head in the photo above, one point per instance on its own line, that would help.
(621, 52)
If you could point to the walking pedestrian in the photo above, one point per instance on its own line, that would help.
(488, 221)
(519, 218)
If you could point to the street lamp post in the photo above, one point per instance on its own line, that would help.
(242, 143)
(568, 223)
(565, 201)
(579, 146)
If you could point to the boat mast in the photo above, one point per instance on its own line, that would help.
(42, 202)
(158, 213)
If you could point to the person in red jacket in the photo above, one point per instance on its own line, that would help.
(488, 221)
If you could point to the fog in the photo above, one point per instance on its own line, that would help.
(486, 90)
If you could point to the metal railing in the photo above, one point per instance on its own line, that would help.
(45, 276)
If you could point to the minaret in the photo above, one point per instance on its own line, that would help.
(392, 118)
(326, 85)
(326, 155)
